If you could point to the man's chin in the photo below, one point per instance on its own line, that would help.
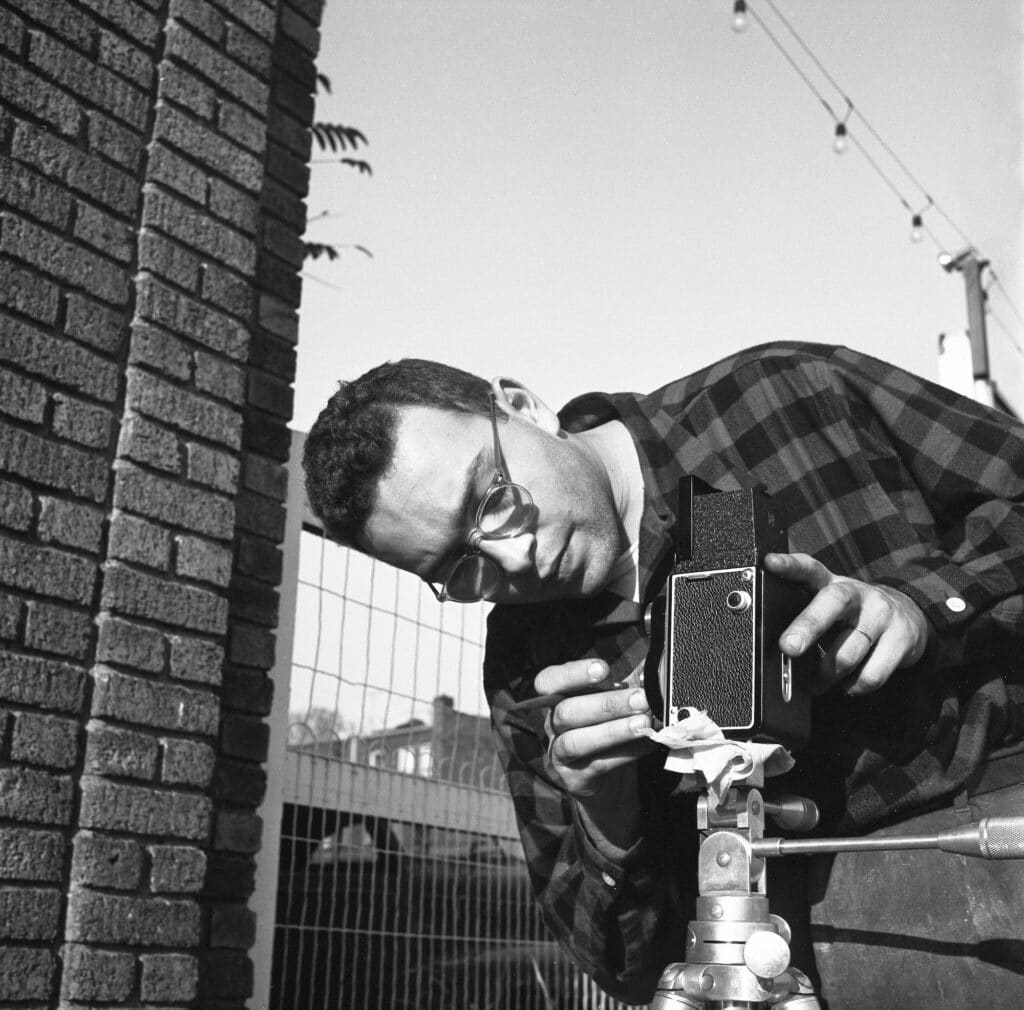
(575, 588)
(566, 581)
(541, 591)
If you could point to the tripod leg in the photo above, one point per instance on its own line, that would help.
(803, 996)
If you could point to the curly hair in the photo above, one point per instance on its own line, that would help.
(352, 443)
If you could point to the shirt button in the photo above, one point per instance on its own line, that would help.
(955, 604)
(608, 879)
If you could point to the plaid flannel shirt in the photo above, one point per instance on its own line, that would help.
(886, 478)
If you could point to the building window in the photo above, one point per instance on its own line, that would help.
(405, 760)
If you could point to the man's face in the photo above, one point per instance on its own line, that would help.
(427, 502)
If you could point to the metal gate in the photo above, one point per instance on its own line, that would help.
(392, 875)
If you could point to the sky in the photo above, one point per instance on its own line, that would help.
(608, 195)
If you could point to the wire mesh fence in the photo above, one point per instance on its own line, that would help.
(401, 882)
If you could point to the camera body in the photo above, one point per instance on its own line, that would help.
(723, 618)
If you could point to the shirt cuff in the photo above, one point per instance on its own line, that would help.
(950, 599)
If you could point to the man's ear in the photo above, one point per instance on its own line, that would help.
(513, 397)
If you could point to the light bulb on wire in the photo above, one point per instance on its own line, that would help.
(840, 143)
(739, 16)
(916, 228)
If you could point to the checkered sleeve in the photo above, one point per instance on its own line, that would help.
(965, 463)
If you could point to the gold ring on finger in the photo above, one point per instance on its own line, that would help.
(861, 631)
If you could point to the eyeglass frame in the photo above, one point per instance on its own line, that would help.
(500, 479)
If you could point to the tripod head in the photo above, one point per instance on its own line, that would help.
(737, 951)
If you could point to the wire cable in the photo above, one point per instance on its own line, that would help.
(919, 222)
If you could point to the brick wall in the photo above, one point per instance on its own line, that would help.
(153, 164)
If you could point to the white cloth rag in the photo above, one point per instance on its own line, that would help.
(699, 751)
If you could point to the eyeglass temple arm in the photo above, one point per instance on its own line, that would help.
(499, 456)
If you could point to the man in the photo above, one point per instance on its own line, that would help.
(906, 523)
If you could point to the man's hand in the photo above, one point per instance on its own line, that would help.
(594, 743)
(877, 629)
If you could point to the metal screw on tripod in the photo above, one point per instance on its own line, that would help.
(766, 954)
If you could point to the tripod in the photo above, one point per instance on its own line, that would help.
(737, 951)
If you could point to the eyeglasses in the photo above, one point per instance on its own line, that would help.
(505, 510)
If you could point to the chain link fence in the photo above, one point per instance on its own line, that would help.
(400, 881)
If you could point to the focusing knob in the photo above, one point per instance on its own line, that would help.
(738, 601)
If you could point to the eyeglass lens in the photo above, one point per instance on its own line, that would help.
(505, 511)
(472, 579)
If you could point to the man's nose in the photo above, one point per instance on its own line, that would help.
(512, 555)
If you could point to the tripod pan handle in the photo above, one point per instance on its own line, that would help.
(990, 838)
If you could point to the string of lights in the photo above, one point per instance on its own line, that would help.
(844, 137)
(1008, 333)
(995, 282)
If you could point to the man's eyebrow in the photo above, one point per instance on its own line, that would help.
(468, 504)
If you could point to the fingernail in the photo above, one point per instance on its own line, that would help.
(638, 701)
(596, 670)
(638, 723)
(794, 642)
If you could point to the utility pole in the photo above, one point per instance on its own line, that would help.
(968, 264)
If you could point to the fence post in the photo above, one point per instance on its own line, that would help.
(264, 900)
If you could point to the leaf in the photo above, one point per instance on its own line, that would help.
(338, 136)
(322, 250)
(355, 137)
(319, 136)
(315, 250)
(363, 166)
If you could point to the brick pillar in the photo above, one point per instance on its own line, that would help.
(152, 173)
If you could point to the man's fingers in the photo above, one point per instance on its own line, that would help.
(571, 678)
(582, 676)
(593, 725)
(587, 780)
(801, 568)
(835, 603)
(583, 744)
(847, 654)
(863, 658)
(835, 600)
(582, 757)
(876, 670)
(598, 708)
(864, 631)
